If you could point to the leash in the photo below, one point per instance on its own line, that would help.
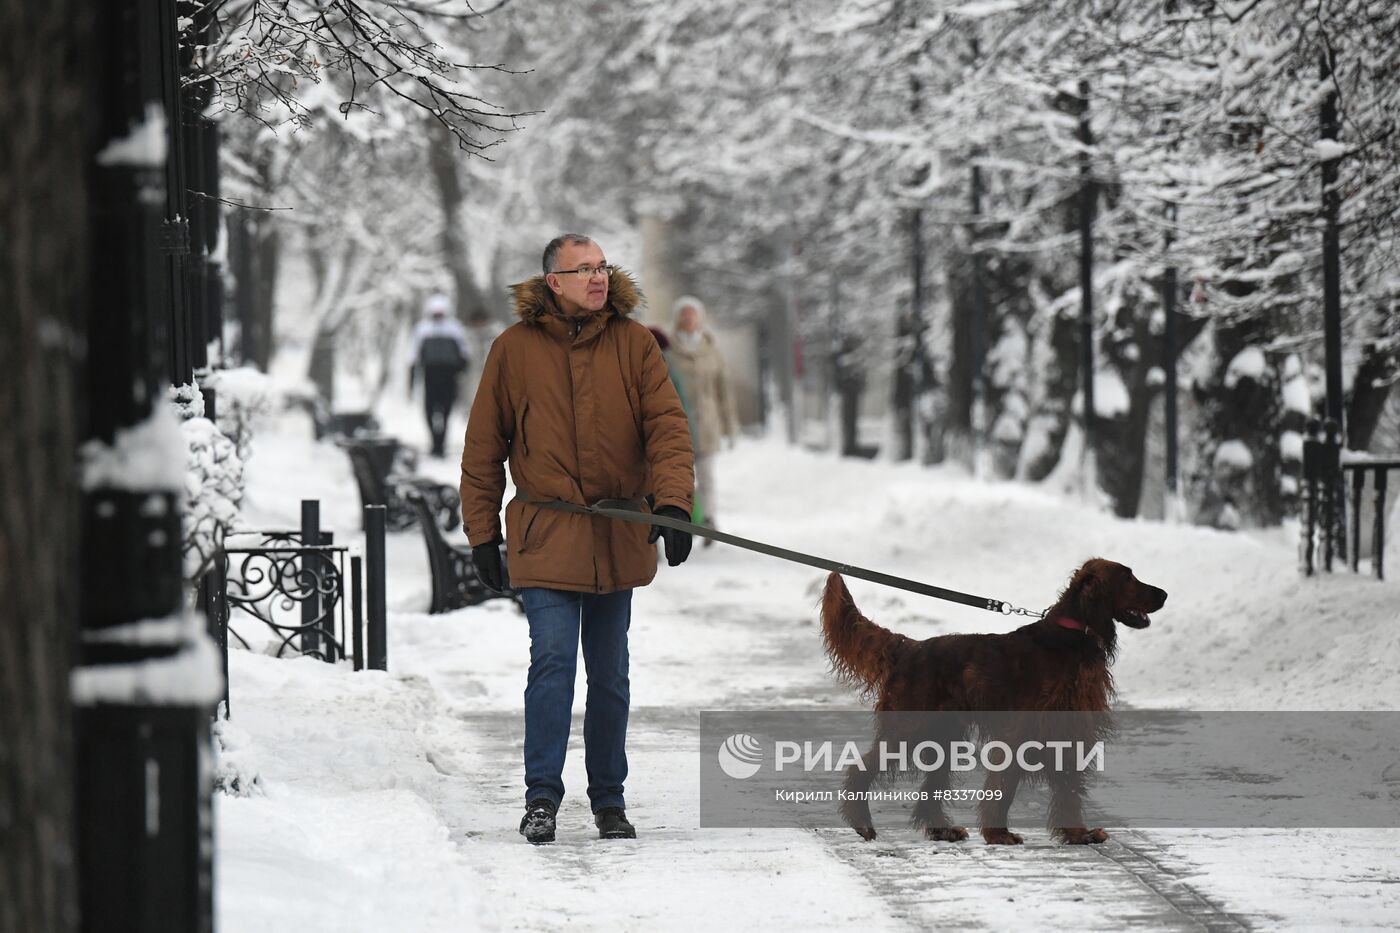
(631, 510)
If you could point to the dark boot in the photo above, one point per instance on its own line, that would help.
(612, 824)
(537, 825)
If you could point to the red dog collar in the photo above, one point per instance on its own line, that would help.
(1067, 622)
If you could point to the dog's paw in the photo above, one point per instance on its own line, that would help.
(865, 832)
(1001, 837)
(1079, 836)
(945, 833)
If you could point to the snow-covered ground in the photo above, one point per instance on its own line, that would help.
(389, 801)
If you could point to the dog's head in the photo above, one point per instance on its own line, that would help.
(1103, 592)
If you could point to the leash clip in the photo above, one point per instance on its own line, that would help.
(1006, 609)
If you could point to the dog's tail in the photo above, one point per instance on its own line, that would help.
(861, 652)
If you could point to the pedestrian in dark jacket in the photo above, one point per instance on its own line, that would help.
(576, 398)
(440, 353)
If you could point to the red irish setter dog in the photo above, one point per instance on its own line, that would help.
(1057, 664)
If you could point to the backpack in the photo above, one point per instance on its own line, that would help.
(441, 352)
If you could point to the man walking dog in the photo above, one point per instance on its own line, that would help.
(576, 396)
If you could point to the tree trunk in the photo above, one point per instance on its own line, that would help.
(658, 271)
(44, 61)
(456, 251)
(902, 398)
(1059, 382)
(961, 366)
(321, 369)
(849, 383)
(267, 246)
(253, 245)
(240, 269)
(1134, 350)
(1239, 414)
(338, 275)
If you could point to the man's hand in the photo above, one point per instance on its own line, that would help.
(677, 542)
(487, 558)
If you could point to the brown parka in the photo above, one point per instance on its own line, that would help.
(583, 409)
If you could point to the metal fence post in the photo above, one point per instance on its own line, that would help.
(1311, 459)
(1333, 496)
(357, 618)
(144, 839)
(1358, 483)
(1336, 481)
(377, 636)
(311, 606)
(213, 590)
(1378, 539)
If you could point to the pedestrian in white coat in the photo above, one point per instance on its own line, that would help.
(696, 357)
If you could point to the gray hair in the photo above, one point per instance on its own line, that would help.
(551, 252)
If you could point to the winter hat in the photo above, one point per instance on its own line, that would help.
(437, 304)
(685, 301)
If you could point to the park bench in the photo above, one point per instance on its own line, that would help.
(325, 423)
(455, 580)
(384, 475)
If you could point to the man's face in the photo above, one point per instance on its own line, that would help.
(576, 292)
(689, 320)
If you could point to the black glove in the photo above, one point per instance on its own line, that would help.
(677, 542)
(487, 558)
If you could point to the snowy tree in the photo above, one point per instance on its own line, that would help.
(791, 146)
(384, 80)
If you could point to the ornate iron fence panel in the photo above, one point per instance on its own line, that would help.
(299, 593)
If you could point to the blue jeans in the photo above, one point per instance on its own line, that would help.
(556, 618)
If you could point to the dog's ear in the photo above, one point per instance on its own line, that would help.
(1087, 592)
(1089, 587)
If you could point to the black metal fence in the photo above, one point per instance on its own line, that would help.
(1327, 517)
(316, 598)
(1379, 469)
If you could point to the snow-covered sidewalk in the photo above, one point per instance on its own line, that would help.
(390, 801)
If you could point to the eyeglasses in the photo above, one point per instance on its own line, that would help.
(587, 272)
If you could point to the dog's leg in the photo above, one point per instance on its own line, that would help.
(928, 813)
(855, 810)
(1067, 811)
(1000, 790)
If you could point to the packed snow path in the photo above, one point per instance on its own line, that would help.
(391, 801)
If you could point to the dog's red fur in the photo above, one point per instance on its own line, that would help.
(1059, 663)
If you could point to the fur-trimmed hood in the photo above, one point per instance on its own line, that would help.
(533, 299)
